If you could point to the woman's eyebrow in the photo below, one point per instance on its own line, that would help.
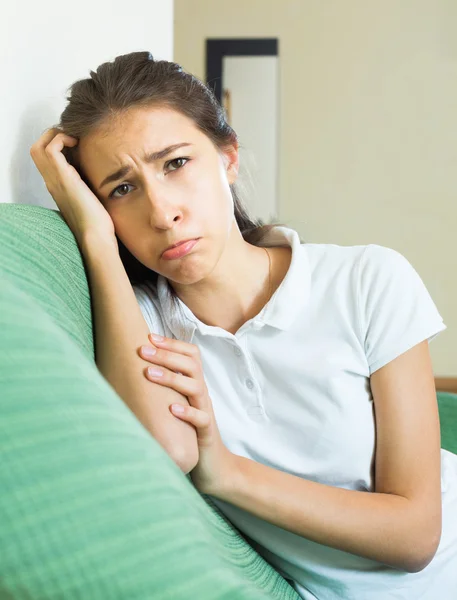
(149, 157)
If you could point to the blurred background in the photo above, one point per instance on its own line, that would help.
(346, 111)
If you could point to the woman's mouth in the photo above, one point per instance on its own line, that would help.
(180, 250)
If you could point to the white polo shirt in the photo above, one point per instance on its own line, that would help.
(291, 390)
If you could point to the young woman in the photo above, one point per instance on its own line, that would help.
(299, 373)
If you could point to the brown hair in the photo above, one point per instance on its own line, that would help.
(137, 80)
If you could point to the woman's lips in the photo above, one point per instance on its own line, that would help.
(179, 251)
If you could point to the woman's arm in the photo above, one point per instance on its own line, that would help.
(400, 523)
(120, 329)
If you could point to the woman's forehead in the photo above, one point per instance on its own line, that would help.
(111, 147)
(146, 130)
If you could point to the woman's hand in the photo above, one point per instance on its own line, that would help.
(81, 209)
(181, 368)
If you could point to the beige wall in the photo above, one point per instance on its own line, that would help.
(367, 124)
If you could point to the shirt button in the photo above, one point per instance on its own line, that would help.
(249, 384)
(238, 351)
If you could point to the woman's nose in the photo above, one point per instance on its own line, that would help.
(163, 214)
(164, 218)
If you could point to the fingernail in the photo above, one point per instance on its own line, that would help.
(154, 372)
(179, 408)
(148, 351)
(156, 338)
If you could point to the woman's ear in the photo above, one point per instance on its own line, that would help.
(231, 159)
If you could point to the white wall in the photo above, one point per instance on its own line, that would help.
(368, 124)
(44, 47)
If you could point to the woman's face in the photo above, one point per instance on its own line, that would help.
(183, 194)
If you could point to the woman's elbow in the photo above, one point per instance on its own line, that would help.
(421, 561)
(178, 439)
(182, 446)
(186, 457)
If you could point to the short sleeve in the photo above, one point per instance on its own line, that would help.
(395, 309)
(148, 303)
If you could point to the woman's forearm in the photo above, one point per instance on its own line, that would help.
(120, 329)
(381, 527)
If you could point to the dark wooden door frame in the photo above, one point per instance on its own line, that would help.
(217, 48)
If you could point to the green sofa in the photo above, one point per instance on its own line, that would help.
(91, 506)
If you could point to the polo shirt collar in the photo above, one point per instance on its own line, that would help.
(288, 301)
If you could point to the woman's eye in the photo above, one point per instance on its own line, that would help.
(177, 161)
(119, 187)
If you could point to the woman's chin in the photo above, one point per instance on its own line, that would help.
(185, 274)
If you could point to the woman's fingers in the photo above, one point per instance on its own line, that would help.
(172, 361)
(48, 157)
(187, 386)
(53, 150)
(197, 418)
(44, 139)
(175, 346)
(179, 367)
(50, 135)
